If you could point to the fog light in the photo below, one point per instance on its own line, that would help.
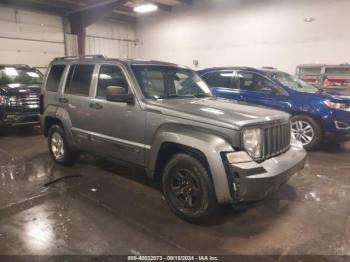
(342, 125)
(238, 157)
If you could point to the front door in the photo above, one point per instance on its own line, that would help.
(223, 84)
(257, 89)
(117, 128)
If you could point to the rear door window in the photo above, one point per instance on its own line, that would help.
(224, 79)
(54, 77)
(79, 80)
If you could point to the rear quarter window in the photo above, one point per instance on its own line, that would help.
(54, 77)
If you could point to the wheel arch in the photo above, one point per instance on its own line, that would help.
(57, 115)
(169, 149)
(205, 147)
(308, 114)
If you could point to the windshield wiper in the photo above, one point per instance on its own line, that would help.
(202, 95)
(176, 96)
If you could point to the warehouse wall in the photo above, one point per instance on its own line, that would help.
(113, 39)
(28, 37)
(249, 32)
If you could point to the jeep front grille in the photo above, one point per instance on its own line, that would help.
(276, 140)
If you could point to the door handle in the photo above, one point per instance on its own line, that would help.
(63, 100)
(96, 106)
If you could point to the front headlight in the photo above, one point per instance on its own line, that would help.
(339, 106)
(252, 142)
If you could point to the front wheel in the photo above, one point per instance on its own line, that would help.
(188, 189)
(307, 131)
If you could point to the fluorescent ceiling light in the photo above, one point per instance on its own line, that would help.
(146, 8)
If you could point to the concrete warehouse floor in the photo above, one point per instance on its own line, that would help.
(109, 209)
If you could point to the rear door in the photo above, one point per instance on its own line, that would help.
(257, 89)
(224, 84)
(75, 99)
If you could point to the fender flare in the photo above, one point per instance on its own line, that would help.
(209, 144)
(62, 115)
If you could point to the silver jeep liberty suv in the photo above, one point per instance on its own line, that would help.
(205, 151)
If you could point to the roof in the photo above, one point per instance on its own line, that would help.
(15, 66)
(101, 58)
(203, 71)
(263, 70)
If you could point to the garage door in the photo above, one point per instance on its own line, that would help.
(28, 37)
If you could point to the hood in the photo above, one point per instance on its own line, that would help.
(335, 96)
(218, 111)
(15, 89)
(327, 95)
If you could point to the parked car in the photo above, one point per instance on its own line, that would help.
(20, 87)
(318, 115)
(205, 151)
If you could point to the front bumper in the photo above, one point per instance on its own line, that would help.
(11, 119)
(336, 125)
(252, 181)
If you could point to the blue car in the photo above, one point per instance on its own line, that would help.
(317, 115)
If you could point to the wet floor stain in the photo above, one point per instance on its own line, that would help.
(99, 208)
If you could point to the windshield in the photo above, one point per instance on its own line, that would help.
(12, 75)
(165, 82)
(293, 82)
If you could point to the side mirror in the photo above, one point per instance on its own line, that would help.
(118, 94)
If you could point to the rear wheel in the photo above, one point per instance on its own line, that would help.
(307, 131)
(59, 149)
(188, 189)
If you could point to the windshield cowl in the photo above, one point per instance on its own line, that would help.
(183, 97)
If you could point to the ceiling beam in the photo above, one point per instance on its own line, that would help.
(72, 2)
(84, 16)
(42, 7)
(163, 7)
(122, 18)
(93, 6)
(187, 2)
(51, 3)
(122, 10)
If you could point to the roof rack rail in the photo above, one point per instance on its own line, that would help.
(22, 65)
(78, 57)
(268, 67)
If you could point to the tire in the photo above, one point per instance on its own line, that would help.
(59, 149)
(188, 189)
(307, 131)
